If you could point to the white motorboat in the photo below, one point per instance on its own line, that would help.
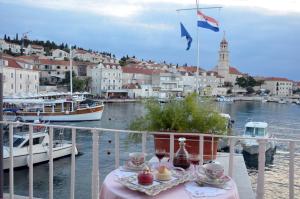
(257, 130)
(40, 149)
(224, 99)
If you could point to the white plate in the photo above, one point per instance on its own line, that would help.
(213, 182)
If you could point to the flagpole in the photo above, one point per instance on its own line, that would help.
(198, 59)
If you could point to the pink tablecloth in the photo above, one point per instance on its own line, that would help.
(111, 189)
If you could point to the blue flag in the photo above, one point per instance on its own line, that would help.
(184, 33)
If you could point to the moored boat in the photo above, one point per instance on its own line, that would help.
(250, 147)
(59, 110)
(40, 149)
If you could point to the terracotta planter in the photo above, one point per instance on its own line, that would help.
(192, 145)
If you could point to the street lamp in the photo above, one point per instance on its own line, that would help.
(1, 127)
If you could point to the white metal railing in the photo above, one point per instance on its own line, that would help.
(95, 155)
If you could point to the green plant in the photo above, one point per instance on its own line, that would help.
(188, 115)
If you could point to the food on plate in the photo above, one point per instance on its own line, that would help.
(145, 177)
(163, 173)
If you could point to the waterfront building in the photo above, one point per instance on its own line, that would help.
(60, 54)
(223, 68)
(19, 78)
(278, 86)
(189, 82)
(134, 73)
(105, 76)
(170, 84)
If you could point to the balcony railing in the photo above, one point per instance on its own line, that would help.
(95, 155)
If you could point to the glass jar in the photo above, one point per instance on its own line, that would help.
(181, 158)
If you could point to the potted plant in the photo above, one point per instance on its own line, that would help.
(189, 116)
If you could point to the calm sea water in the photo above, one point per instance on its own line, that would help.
(284, 121)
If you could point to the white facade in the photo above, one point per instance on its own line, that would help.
(169, 83)
(18, 80)
(278, 86)
(34, 49)
(105, 77)
(60, 54)
(6, 46)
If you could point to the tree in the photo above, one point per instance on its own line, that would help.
(250, 90)
(17, 37)
(5, 38)
(247, 81)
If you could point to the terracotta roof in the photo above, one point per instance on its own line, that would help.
(54, 62)
(37, 47)
(298, 84)
(79, 51)
(190, 69)
(140, 70)
(277, 79)
(234, 71)
(12, 63)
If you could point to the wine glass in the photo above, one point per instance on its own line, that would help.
(194, 159)
(160, 154)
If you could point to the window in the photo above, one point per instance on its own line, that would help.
(12, 75)
(17, 141)
(20, 76)
(12, 86)
(20, 86)
(49, 72)
(58, 67)
(28, 76)
(35, 77)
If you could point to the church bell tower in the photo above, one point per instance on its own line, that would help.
(223, 65)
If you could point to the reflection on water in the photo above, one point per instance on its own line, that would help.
(283, 119)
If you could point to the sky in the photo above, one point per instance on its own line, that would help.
(262, 34)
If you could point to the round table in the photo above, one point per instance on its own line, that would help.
(112, 189)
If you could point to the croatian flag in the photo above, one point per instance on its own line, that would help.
(207, 22)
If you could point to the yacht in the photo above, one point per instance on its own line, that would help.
(224, 99)
(257, 130)
(40, 149)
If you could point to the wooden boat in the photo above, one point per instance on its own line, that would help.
(59, 110)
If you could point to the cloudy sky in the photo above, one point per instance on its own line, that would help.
(263, 35)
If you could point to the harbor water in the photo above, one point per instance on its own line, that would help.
(283, 120)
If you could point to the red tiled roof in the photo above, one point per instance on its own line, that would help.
(79, 51)
(277, 79)
(298, 84)
(234, 71)
(140, 70)
(54, 62)
(190, 69)
(12, 63)
(37, 46)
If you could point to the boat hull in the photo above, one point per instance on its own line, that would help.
(88, 114)
(38, 157)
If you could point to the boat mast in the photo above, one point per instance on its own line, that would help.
(71, 71)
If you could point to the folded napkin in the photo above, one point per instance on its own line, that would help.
(123, 173)
(196, 191)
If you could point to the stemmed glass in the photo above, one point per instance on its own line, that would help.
(160, 154)
(194, 159)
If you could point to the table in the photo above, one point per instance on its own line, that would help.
(111, 189)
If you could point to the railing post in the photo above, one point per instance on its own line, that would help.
(117, 150)
(11, 165)
(231, 155)
(73, 165)
(291, 170)
(261, 169)
(50, 163)
(30, 162)
(201, 147)
(95, 169)
(144, 142)
(171, 147)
